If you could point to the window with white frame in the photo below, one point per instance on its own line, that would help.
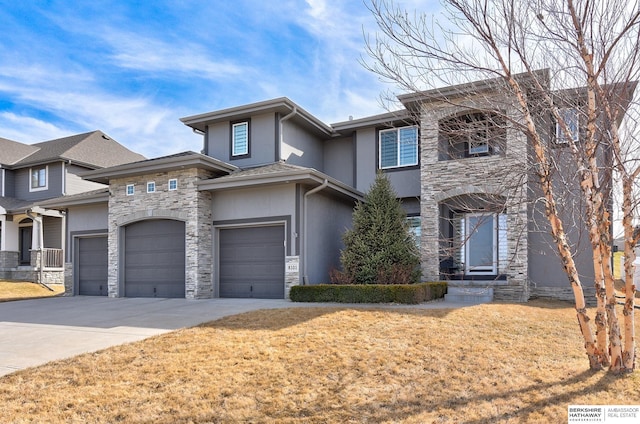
(398, 147)
(151, 187)
(173, 184)
(39, 178)
(570, 118)
(240, 139)
(131, 189)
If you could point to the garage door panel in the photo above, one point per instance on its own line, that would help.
(92, 266)
(252, 262)
(155, 259)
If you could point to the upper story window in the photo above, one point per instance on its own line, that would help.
(471, 135)
(571, 119)
(39, 178)
(151, 187)
(240, 139)
(173, 184)
(398, 147)
(131, 189)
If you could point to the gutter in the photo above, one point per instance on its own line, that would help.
(305, 277)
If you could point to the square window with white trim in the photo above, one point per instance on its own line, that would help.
(131, 189)
(39, 178)
(173, 184)
(151, 187)
(398, 147)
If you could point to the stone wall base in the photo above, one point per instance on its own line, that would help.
(53, 276)
(563, 293)
(68, 278)
(511, 293)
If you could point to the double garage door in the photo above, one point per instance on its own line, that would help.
(252, 262)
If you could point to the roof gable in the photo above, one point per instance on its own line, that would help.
(93, 149)
(13, 151)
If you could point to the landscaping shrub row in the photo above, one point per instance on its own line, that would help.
(369, 293)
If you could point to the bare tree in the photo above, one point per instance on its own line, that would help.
(590, 51)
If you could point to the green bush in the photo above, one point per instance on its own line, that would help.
(369, 293)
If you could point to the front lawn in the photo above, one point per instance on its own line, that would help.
(14, 290)
(492, 363)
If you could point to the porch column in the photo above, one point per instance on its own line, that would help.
(9, 235)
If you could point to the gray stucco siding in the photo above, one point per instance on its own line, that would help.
(328, 219)
(262, 141)
(339, 159)
(298, 147)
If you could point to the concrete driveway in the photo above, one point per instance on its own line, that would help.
(33, 332)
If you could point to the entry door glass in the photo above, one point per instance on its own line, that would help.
(481, 244)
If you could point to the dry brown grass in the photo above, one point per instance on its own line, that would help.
(494, 363)
(17, 290)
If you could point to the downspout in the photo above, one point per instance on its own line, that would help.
(205, 148)
(305, 277)
(38, 219)
(281, 129)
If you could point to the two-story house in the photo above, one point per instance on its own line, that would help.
(264, 205)
(33, 237)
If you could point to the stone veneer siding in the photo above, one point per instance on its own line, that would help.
(9, 259)
(442, 180)
(185, 204)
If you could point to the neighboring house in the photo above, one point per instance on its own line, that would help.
(265, 203)
(33, 237)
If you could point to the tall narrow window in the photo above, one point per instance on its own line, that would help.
(173, 184)
(151, 187)
(240, 139)
(571, 119)
(38, 179)
(131, 189)
(398, 147)
(415, 229)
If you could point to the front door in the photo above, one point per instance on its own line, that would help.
(480, 244)
(25, 245)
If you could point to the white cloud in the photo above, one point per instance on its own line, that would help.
(148, 54)
(26, 129)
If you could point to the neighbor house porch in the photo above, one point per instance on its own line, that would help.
(32, 243)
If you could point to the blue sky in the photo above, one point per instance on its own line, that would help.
(133, 68)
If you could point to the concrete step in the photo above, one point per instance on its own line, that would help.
(469, 294)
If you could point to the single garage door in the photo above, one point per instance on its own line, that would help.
(252, 262)
(92, 266)
(154, 259)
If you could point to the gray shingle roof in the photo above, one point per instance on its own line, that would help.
(274, 168)
(94, 148)
(13, 151)
(13, 204)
